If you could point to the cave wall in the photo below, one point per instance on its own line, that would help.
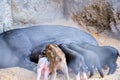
(20, 13)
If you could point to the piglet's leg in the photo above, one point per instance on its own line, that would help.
(43, 69)
(114, 68)
(65, 70)
(84, 76)
(77, 77)
(38, 73)
(46, 74)
(54, 74)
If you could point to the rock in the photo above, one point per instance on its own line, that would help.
(5, 14)
(17, 73)
(34, 11)
(98, 16)
(17, 13)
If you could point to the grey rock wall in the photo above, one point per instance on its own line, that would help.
(19, 13)
(98, 16)
(36, 11)
(5, 15)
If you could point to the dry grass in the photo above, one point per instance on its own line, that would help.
(98, 16)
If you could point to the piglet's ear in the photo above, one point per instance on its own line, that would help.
(47, 46)
(40, 56)
(55, 45)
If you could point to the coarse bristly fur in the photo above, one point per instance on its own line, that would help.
(57, 60)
